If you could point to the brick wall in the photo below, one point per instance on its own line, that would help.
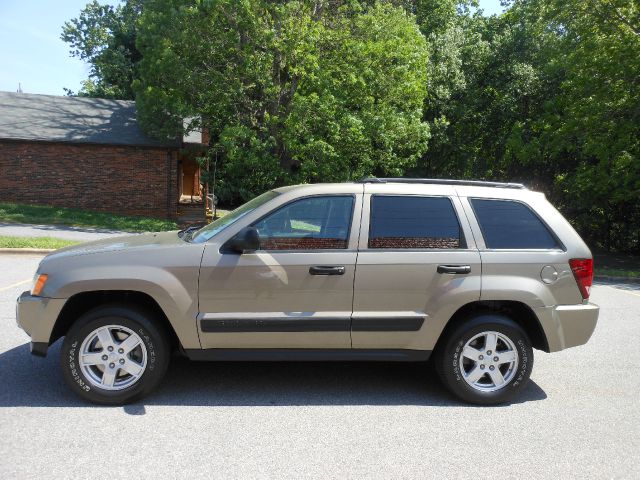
(119, 179)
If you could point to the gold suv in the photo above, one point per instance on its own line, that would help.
(473, 274)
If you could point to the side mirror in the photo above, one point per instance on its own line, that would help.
(246, 240)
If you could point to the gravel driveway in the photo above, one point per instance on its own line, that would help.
(579, 417)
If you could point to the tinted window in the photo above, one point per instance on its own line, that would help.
(507, 224)
(308, 224)
(413, 222)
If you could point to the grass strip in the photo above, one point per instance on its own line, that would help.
(35, 242)
(38, 214)
(617, 272)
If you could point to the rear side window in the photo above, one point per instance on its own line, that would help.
(509, 224)
(413, 222)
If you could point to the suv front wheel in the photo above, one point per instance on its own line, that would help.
(114, 355)
(485, 360)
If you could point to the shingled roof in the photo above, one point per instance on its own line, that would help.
(52, 118)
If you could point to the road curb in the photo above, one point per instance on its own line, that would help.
(607, 278)
(17, 251)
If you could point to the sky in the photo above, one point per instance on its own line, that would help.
(32, 54)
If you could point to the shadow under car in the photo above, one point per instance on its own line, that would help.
(36, 382)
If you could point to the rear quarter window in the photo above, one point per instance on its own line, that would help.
(508, 224)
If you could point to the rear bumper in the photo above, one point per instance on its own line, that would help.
(37, 316)
(568, 326)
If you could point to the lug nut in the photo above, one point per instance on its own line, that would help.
(491, 367)
(122, 361)
(105, 357)
(482, 367)
(112, 365)
(495, 359)
(110, 349)
(488, 352)
(120, 351)
(481, 357)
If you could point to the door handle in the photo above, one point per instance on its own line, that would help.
(326, 270)
(455, 269)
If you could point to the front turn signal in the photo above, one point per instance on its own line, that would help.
(38, 285)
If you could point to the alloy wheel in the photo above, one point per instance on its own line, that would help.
(113, 357)
(489, 361)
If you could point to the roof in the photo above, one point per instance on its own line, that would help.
(53, 118)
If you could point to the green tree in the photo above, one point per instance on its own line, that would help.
(546, 93)
(105, 37)
(582, 140)
(599, 49)
(318, 90)
(297, 91)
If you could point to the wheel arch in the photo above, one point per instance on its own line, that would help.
(83, 302)
(519, 312)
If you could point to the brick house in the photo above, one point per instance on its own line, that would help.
(91, 153)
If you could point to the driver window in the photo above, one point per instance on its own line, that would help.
(314, 223)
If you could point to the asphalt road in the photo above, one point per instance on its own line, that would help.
(579, 417)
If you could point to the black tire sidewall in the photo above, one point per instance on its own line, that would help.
(132, 318)
(448, 361)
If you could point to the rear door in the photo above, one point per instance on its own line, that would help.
(417, 264)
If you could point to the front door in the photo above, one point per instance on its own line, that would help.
(190, 177)
(296, 291)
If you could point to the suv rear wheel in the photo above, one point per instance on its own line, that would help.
(114, 355)
(485, 360)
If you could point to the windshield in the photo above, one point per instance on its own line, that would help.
(205, 233)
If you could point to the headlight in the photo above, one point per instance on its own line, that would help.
(38, 283)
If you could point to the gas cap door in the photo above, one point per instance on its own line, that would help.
(549, 274)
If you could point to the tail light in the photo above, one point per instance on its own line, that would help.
(582, 269)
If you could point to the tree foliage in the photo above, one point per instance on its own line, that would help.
(290, 91)
(547, 93)
(598, 134)
(105, 37)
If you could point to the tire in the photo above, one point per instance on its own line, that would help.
(475, 377)
(113, 375)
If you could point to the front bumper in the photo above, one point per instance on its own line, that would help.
(568, 326)
(37, 316)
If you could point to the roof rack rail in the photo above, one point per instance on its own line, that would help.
(443, 181)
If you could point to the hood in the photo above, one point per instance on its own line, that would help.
(141, 241)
